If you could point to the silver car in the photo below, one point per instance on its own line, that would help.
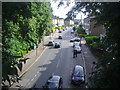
(76, 44)
(54, 82)
(78, 48)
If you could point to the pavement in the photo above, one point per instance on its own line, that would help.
(89, 58)
(36, 53)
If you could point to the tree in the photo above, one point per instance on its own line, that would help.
(24, 24)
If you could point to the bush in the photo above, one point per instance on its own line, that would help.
(80, 30)
(95, 46)
(89, 39)
(83, 35)
(92, 39)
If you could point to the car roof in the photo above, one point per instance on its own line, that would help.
(51, 41)
(78, 67)
(57, 42)
(76, 37)
(76, 46)
(76, 42)
(54, 78)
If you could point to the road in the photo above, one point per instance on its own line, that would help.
(58, 61)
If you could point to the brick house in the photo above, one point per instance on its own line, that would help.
(93, 29)
(68, 22)
(58, 21)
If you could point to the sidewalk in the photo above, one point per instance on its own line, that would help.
(89, 58)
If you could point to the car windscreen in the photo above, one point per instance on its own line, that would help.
(52, 85)
(77, 47)
(79, 73)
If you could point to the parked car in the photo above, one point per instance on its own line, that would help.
(54, 82)
(60, 31)
(72, 32)
(51, 43)
(78, 75)
(78, 48)
(77, 39)
(59, 37)
(57, 45)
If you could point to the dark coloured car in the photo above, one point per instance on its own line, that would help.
(78, 75)
(60, 31)
(51, 43)
(59, 37)
(54, 82)
(57, 45)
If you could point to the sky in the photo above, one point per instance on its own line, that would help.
(63, 10)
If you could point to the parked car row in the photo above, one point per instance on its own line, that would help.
(54, 44)
(56, 81)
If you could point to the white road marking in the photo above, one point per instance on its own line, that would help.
(58, 63)
(29, 83)
(35, 75)
(34, 62)
(32, 79)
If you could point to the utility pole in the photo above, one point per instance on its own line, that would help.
(36, 47)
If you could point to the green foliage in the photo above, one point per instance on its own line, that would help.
(80, 30)
(95, 46)
(92, 39)
(23, 25)
(83, 35)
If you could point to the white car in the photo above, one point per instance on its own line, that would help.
(72, 31)
(78, 48)
(77, 39)
(76, 44)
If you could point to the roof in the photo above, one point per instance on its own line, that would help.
(78, 67)
(54, 78)
(57, 17)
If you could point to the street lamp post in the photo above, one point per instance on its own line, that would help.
(36, 51)
(36, 47)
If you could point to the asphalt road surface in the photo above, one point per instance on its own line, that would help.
(57, 61)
